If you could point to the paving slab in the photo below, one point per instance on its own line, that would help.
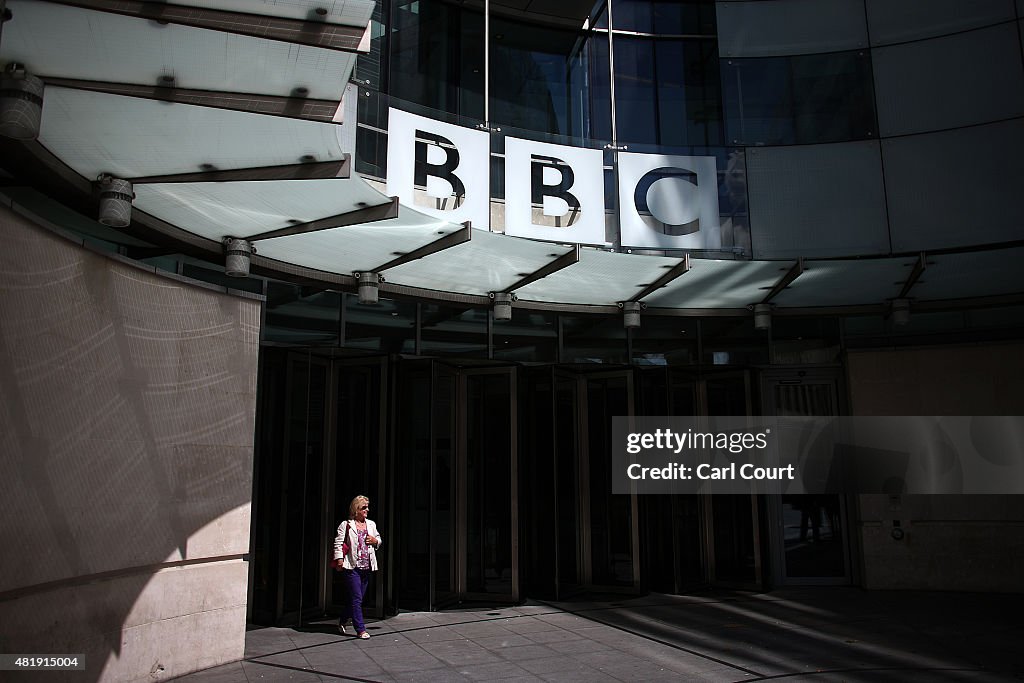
(817, 634)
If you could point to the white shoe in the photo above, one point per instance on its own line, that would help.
(364, 635)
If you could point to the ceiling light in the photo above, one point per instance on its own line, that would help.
(368, 286)
(116, 197)
(237, 256)
(21, 103)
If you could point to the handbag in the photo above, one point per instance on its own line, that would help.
(339, 563)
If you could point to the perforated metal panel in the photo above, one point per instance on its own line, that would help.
(817, 200)
(897, 22)
(790, 27)
(955, 188)
(958, 80)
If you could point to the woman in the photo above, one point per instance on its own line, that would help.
(355, 556)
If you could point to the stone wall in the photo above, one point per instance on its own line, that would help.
(127, 408)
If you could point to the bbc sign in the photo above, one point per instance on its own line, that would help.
(666, 202)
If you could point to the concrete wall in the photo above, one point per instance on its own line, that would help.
(127, 406)
(968, 542)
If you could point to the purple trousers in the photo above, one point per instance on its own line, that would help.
(356, 581)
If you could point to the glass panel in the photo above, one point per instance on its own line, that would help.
(488, 493)
(668, 92)
(531, 336)
(811, 524)
(812, 535)
(732, 515)
(733, 534)
(803, 341)
(388, 326)
(437, 56)
(451, 330)
(539, 77)
(600, 89)
(610, 516)
(665, 341)
(301, 315)
(369, 66)
(593, 339)
(799, 100)
(665, 17)
(732, 341)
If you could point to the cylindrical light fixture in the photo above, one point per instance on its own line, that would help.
(368, 286)
(237, 256)
(115, 201)
(21, 103)
(762, 316)
(503, 305)
(631, 313)
(900, 311)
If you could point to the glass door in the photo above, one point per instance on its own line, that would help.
(671, 525)
(301, 563)
(488, 485)
(458, 537)
(359, 441)
(611, 551)
(808, 535)
(732, 522)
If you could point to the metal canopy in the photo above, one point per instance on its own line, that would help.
(72, 43)
(224, 114)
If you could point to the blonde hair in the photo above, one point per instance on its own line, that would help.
(354, 505)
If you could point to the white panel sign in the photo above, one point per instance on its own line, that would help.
(668, 202)
(439, 168)
(565, 183)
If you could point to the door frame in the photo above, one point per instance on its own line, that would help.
(832, 376)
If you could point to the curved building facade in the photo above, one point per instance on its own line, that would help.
(476, 233)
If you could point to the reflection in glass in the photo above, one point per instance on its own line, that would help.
(437, 56)
(531, 336)
(453, 330)
(812, 527)
(388, 326)
(301, 315)
(665, 341)
(667, 92)
(539, 77)
(593, 339)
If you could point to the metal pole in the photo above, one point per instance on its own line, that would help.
(487, 63)
(611, 74)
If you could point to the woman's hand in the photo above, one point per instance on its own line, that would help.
(372, 540)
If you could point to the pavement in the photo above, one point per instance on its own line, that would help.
(796, 634)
